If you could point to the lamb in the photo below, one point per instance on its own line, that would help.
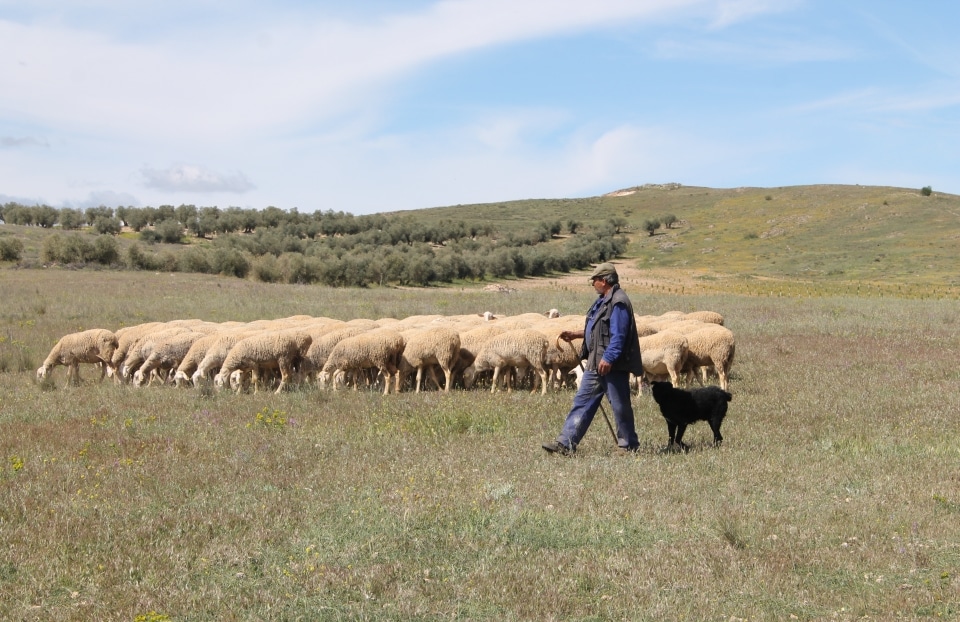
(681, 408)
(521, 347)
(282, 349)
(428, 347)
(166, 354)
(664, 353)
(380, 348)
(96, 346)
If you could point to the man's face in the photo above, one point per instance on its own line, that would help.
(599, 285)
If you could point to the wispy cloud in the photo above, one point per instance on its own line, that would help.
(729, 12)
(17, 142)
(191, 178)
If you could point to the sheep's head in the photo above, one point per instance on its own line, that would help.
(469, 376)
(138, 378)
(220, 380)
(42, 372)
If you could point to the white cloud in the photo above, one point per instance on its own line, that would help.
(191, 178)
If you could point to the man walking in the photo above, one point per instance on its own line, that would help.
(611, 350)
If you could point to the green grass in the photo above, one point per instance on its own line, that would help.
(834, 495)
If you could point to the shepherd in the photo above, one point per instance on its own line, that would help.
(611, 349)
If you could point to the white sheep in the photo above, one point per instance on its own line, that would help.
(471, 342)
(707, 317)
(380, 349)
(282, 349)
(323, 345)
(428, 347)
(142, 348)
(96, 346)
(522, 348)
(214, 356)
(191, 360)
(710, 346)
(166, 354)
(126, 337)
(663, 353)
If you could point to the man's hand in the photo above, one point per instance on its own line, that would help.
(570, 335)
(603, 367)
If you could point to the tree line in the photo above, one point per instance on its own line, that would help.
(329, 248)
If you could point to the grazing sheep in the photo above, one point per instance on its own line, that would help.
(471, 342)
(710, 346)
(380, 348)
(166, 354)
(96, 346)
(521, 348)
(191, 360)
(143, 348)
(681, 408)
(216, 352)
(664, 354)
(707, 317)
(428, 347)
(323, 345)
(281, 349)
(128, 336)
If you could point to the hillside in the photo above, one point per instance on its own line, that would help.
(841, 238)
(822, 233)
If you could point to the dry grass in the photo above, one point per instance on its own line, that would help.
(834, 496)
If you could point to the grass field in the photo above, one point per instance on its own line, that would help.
(835, 496)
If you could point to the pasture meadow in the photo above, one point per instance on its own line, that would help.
(836, 494)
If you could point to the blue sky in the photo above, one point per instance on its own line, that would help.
(373, 106)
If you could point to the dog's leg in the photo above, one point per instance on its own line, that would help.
(715, 426)
(681, 428)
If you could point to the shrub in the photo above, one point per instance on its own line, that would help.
(170, 232)
(106, 251)
(194, 260)
(265, 269)
(650, 226)
(138, 260)
(926, 191)
(11, 249)
(230, 262)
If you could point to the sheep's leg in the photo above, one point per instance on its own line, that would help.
(542, 376)
(73, 373)
(419, 378)
(447, 380)
(722, 375)
(284, 375)
(496, 379)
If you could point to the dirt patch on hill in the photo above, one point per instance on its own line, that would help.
(630, 275)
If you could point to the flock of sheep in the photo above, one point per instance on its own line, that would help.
(395, 354)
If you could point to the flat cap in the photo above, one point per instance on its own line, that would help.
(603, 271)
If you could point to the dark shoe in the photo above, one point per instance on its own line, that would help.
(628, 451)
(555, 447)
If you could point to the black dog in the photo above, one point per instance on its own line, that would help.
(681, 408)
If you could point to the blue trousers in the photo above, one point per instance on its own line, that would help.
(616, 386)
